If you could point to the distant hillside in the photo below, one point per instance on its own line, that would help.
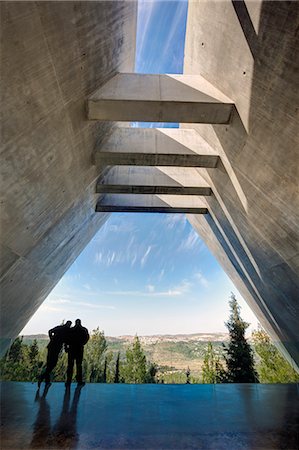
(172, 353)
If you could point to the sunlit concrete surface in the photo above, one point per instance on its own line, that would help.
(151, 417)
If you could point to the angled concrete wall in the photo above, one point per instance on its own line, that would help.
(53, 55)
(249, 50)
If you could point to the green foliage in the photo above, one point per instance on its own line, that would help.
(134, 369)
(95, 357)
(151, 372)
(272, 367)
(188, 372)
(213, 370)
(116, 375)
(238, 353)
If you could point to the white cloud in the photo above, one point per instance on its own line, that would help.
(190, 242)
(87, 287)
(98, 258)
(59, 301)
(202, 280)
(173, 220)
(150, 288)
(161, 274)
(145, 256)
(93, 305)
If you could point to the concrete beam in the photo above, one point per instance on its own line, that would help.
(152, 180)
(156, 147)
(159, 98)
(151, 203)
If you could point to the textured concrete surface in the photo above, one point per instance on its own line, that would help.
(151, 203)
(201, 417)
(152, 180)
(155, 147)
(159, 98)
(53, 56)
(248, 50)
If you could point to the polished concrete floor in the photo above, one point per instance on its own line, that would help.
(143, 417)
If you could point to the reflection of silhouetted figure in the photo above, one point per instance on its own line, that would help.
(42, 424)
(65, 430)
(78, 337)
(58, 337)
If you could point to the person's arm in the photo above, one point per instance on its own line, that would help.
(86, 336)
(52, 332)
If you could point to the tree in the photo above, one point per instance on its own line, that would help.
(188, 375)
(95, 356)
(272, 367)
(134, 369)
(34, 360)
(152, 370)
(238, 353)
(116, 375)
(15, 363)
(213, 370)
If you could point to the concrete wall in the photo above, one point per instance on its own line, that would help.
(53, 55)
(249, 50)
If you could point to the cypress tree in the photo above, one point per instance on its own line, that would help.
(116, 376)
(238, 353)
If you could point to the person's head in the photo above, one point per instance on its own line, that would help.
(68, 323)
(77, 322)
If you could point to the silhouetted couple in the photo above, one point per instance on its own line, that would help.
(73, 339)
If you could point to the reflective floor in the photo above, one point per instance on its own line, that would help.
(103, 416)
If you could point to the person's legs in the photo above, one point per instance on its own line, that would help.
(79, 359)
(70, 367)
(52, 359)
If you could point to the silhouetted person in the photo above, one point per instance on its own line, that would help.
(58, 336)
(78, 337)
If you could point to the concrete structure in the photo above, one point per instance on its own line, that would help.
(151, 203)
(159, 98)
(248, 51)
(120, 416)
(239, 90)
(152, 180)
(53, 56)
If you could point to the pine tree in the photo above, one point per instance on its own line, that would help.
(238, 353)
(105, 371)
(188, 375)
(272, 367)
(209, 365)
(116, 376)
(152, 370)
(134, 369)
(95, 356)
(213, 370)
(34, 361)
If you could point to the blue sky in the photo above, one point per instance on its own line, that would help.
(145, 273)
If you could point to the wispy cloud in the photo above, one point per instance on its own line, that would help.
(59, 301)
(175, 28)
(190, 242)
(93, 305)
(173, 220)
(150, 288)
(146, 11)
(202, 279)
(145, 256)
